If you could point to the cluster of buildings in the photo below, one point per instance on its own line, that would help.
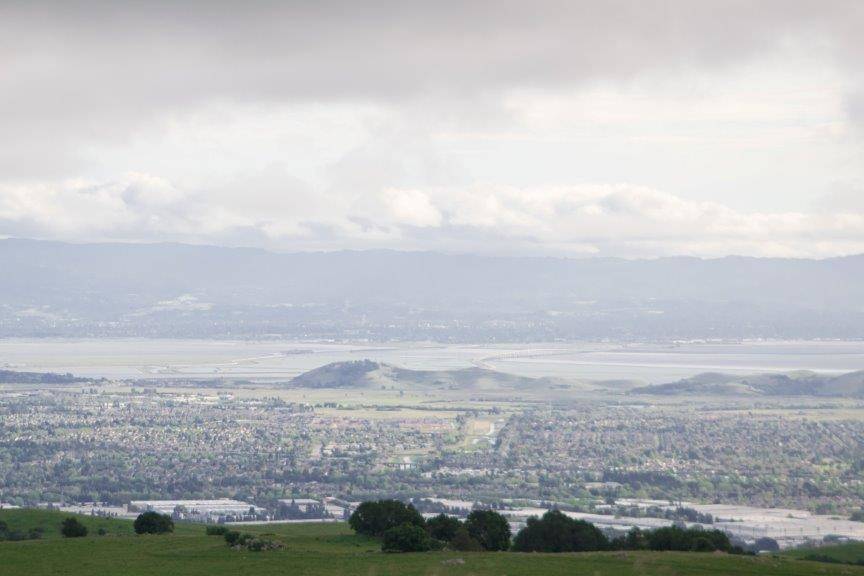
(216, 511)
(221, 510)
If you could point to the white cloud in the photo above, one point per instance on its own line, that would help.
(134, 207)
(411, 208)
(604, 219)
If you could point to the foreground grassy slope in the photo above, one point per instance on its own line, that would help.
(851, 553)
(331, 549)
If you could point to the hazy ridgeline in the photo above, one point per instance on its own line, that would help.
(52, 288)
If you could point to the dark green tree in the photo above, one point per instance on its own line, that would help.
(153, 523)
(375, 518)
(635, 540)
(463, 542)
(443, 527)
(766, 543)
(685, 539)
(73, 528)
(556, 532)
(406, 538)
(489, 528)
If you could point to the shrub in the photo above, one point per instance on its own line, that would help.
(375, 518)
(153, 523)
(261, 545)
(216, 530)
(489, 528)
(406, 538)
(73, 528)
(556, 532)
(249, 542)
(443, 527)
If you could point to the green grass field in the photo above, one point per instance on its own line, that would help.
(850, 553)
(332, 549)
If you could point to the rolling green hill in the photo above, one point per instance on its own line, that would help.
(332, 549)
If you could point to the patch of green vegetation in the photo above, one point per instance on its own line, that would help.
(332, 549)
(49, 521)
(26, 519)
(851, 553)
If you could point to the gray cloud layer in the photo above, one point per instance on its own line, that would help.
(75, 76)
(78, 70)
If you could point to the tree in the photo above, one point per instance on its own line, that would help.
(684, 539)
(375, 518)
(406, 538)
(443, 527)
(635, 540)
(73, 528)
(766, 543)
(463, 542)
(153, 523)
(556, 532)
(702, 544)
(489, 528)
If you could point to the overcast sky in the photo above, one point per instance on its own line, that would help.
(613, 127)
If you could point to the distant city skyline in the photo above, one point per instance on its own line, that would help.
(615, 128)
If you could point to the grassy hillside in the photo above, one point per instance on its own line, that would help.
(374, 375)
(332, 549)
(800, 383)
(24, 519)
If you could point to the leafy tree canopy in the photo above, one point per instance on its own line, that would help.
(443, 527)
(153, 523)
(375, 518)
(556, 532)
(489, 528)
(406, 538)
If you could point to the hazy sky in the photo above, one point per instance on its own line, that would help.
(613, 127)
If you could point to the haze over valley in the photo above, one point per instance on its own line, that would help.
(442, 288)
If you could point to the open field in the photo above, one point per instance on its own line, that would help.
(331, 549)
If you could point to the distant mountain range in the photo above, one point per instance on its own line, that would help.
(801, 383)
(368, 374)
(60, 289)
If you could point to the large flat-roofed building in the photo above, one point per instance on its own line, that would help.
(203, 510)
